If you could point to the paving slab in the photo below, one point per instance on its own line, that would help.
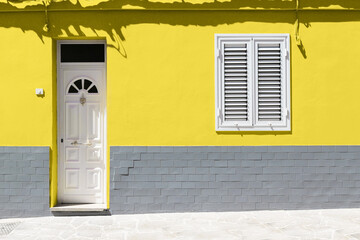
(253, 225)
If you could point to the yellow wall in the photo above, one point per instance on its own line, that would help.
(160, 76)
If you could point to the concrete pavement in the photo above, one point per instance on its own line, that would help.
(289, 225)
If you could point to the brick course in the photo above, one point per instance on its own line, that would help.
(233, 178)
(24, 181)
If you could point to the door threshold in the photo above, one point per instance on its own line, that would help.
(79, 207)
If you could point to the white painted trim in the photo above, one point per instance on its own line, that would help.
(92, 64)
(78, 66)
(219, 108)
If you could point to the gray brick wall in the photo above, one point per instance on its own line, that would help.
(233, 178)
(24, 181)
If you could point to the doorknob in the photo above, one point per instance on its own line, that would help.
(80, 143)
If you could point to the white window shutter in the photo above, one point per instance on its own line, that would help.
(236, 104)
(270, 83)
(252, 82)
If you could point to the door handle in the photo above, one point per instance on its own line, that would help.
(80, 143)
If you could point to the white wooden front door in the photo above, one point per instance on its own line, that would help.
(81, 134)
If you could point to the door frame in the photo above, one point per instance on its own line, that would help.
(59, 67)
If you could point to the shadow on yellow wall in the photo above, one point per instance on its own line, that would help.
(183, 4)
(67, 19)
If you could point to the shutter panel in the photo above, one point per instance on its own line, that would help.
(236, 83)
(270, 87)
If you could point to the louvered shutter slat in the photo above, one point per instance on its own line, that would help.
(235, 66)
(235, 91)
(269, 74)
(267, 81)
(230, 62)
(235, 82)
(235, 58)
(269, 61)
(235, 74)
(235, 69)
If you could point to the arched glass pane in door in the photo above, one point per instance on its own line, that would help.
(82, 84)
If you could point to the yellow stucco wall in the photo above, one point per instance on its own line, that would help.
(160, 75)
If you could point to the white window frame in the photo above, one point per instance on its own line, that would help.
(252, 124)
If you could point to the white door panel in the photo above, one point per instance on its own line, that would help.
(72, 120)
(72, 154)
(94, 154)
(93, 178)
(81, 133)
(72, 178)
(93, 118)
